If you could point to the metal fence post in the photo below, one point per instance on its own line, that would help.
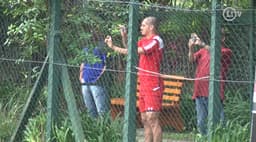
(252, 62)
(129, 130)
(53, 73)
(214, 97)
(253, 120)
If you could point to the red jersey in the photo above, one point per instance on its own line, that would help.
(202, 59)
(150, 61)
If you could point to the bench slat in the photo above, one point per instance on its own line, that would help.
(171, 98)
(172, 83)
(117, 101)
(172, 91)
(166, 105)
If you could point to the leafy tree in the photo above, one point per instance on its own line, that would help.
(26, 35)
(28, 26)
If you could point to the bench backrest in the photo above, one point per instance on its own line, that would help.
(172, 91)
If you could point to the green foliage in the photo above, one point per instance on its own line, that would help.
(184, 136)
(11, 93)
(63, 133)
(8, 117)
(232, 132)
(240, 3)
(86, 24)
(27, 23)
(102, 129)
(98, 130)
(28, 28)
(117, 90)
(95, 130)
(237, 103)
(188, 112)
(35, 129)
(12, 99)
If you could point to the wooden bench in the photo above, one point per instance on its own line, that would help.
(170, 115)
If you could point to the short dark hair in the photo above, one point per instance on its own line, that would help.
(153, 21)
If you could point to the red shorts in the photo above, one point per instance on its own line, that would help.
(150, 94)
(151, 101)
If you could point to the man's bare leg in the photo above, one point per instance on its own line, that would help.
(153, 120)
(148, 134)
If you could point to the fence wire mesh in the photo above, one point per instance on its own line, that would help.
(23, 49)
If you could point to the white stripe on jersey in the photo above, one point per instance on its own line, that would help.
(150, 45)
(159, 39)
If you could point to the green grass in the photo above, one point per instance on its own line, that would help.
(184, 136)
(232, 132)
(8, 117)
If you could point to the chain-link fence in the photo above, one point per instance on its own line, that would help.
(34, 89)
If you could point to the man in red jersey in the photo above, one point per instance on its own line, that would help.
(201, 87)
(150, 48)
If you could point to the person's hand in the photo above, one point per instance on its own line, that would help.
(108, 41)
(123, 30)
(194, 40)
(82, 80)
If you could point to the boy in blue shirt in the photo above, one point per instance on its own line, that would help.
(94, 94)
